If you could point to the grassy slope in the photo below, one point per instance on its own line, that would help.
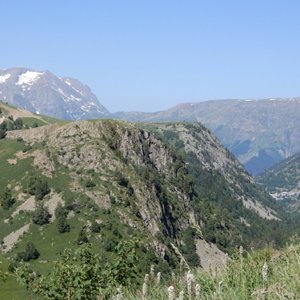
(28, 118)
(10, 290)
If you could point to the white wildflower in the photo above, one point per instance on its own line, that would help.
(241, 251)
(265, 271)
(197, 291)
(171, 293)
(158, 277)
(173, 277)
(119, 294)
(144, 292)
(181, 295)
(152, 271)
(190, 279)
(145, 286)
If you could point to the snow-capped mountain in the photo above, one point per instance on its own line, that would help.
(43, 92)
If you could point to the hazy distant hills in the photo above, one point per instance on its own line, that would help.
(259, 132)
(47, 94)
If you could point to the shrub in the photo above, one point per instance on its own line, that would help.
(29, 253)
(96, 228)
(38, 187)
(18, 123)
(3, 125)
(6, 199)
(82, 237)
(90, 184)
(2, 134)
(121, 180)
(41, 215)
(61, 215)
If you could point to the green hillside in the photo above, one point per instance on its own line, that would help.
(173, 187)
(10, 113)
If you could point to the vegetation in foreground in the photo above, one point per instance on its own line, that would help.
(264, 274)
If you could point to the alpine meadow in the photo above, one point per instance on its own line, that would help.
(150, 150)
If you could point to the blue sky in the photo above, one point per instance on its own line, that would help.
(151, 55)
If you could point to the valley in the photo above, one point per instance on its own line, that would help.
(282, 182)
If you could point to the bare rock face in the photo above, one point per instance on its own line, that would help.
(211, 258)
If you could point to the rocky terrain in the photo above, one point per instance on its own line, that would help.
(141, 178)
(259, 132)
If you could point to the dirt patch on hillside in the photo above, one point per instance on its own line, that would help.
(28, 205)
(10, 240)
(100, 199)
(21, 155)
(21, 196)
(52, 203)
(12, 161)
(265, 212)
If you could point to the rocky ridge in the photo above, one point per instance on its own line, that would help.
(136, 177)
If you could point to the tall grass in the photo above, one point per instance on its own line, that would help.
(266, 274)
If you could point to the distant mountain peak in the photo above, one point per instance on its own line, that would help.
(44, 92)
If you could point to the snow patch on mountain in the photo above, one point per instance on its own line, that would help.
(67, 82)
(28, 78)
(3, 78)
(68, 98)
(86, 107)
(78, 91)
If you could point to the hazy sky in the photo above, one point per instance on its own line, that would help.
(151, 55)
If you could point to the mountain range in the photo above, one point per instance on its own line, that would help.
(260, 133)
(172, 186)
